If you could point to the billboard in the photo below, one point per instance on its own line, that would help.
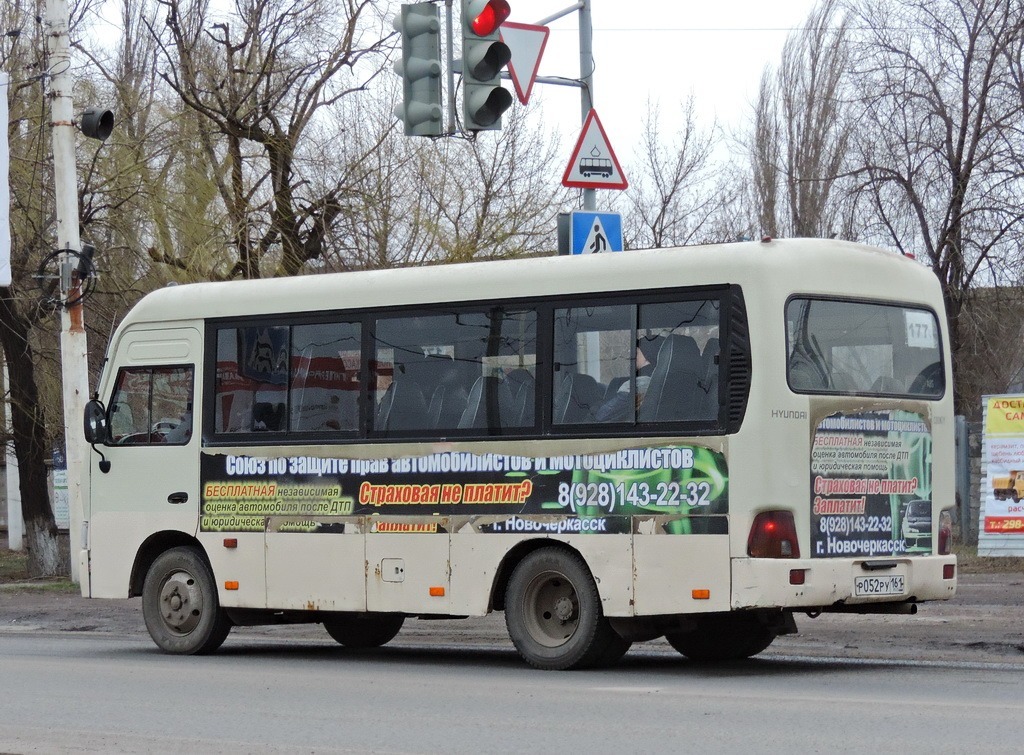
(1001, 517)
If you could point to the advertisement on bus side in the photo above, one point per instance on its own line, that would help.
(686, 486)
(871, 485)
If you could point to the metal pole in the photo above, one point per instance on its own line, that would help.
(451, 68)
(73, 344)
(587, 77)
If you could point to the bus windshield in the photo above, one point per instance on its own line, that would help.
(863, 348)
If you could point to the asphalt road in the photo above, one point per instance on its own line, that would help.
(94, 692)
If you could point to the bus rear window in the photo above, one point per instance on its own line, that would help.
(852, 347)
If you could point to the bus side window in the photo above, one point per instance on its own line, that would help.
(152, 405)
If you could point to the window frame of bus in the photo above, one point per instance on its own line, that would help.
(287, 321)
(734, 359)
(151, 368)
(900, 305)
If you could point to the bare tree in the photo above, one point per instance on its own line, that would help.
(262, 83)
(801, 133)
(673, 197)
(940, 138)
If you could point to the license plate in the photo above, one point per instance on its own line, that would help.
(891, 584)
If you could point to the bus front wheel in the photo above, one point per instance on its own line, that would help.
(180, 605)
(722, 637)
(364, 630)
(553, 613)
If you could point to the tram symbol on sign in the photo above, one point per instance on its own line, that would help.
(595, 166)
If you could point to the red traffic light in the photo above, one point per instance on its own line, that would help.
(490, 18)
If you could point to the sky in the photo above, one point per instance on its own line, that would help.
(662, 51)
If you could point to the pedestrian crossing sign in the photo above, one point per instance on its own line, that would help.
(594, 232)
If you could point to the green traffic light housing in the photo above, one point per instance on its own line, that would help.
(420, 69)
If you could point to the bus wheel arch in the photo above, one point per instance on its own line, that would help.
(150, 550)
(554, 614)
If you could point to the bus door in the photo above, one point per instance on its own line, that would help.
(152, 483)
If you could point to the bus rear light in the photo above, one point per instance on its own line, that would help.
(231, 542)
(773, 535)
(701, 594)
(948, 571)
(945, 533)
(797, 576)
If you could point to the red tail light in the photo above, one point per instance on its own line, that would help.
(773, 535)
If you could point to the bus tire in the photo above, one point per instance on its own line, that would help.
(722, 637)
(553, 613)
(364, 630)
(180, 604)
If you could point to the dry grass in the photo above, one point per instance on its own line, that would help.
(969, 562)
(13, 566)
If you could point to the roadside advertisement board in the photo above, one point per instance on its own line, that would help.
(1001, 525)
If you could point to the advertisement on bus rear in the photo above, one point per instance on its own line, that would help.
(871, 477)
(683, 488)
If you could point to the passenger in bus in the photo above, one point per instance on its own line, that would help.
(620, 407)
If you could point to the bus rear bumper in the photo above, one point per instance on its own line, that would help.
(839, 584)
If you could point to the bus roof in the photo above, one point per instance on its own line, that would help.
(787, 265)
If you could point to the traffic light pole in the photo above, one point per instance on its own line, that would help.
(587, 90)
(73, 342)
(586, 81)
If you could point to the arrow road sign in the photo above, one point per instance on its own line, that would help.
(593, 165)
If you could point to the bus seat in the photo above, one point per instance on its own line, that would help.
(805, 374)
(522, 385)
(589, 393)
(484, 390)
(843, 381)
(675, 392)
(523, 410)
(930, 381)
(267, 416)
(402, 408)
(613, 386)
(447, 404)
(709, 384)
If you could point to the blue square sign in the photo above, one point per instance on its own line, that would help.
(594, 232)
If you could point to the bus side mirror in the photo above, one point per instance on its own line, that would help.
(96, 430)
(96, 422)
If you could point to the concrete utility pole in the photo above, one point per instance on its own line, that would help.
(73, 345)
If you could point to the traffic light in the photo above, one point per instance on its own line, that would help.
(483, 57)
(420, 69)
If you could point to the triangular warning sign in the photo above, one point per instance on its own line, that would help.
(593, 164)
(526, 43)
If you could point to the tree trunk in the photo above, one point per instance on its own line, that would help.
(30, 444)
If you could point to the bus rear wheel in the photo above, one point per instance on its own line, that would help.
(553, 614)
(722, 637)
(180, 605)
(364, 630)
